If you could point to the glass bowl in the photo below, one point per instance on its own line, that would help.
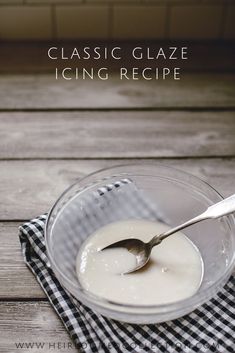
(177, 195)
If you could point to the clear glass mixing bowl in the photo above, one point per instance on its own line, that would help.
(179, 196)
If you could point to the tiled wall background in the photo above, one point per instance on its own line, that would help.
(117, 19)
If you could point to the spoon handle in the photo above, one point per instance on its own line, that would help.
(222, 208)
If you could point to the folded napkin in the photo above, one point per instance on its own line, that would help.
(209, 328)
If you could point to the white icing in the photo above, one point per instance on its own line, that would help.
(174, 272)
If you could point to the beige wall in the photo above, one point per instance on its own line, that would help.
(117, 19)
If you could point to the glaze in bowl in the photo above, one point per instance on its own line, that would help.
(178, 196)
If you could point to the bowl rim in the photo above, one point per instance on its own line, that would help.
(153, 309)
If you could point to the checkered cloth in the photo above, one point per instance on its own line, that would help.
(209, 328)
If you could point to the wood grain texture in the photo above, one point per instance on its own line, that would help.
(16, 280)
(44, 91)
(32, 323)
(29, 188)
(116, 134)
(182, 126)
(36, 190)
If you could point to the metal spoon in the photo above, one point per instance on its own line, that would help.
(142, 250)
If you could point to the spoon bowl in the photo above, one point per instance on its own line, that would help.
(137, 247)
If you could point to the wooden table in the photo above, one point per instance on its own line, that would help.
(54, 132)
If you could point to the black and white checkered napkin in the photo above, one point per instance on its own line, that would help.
(210, 328)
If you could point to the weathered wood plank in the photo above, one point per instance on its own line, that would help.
(28, 188)
(16, 280)
(44, 91)
(116, 134)
(35, 324)
(34, 191)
